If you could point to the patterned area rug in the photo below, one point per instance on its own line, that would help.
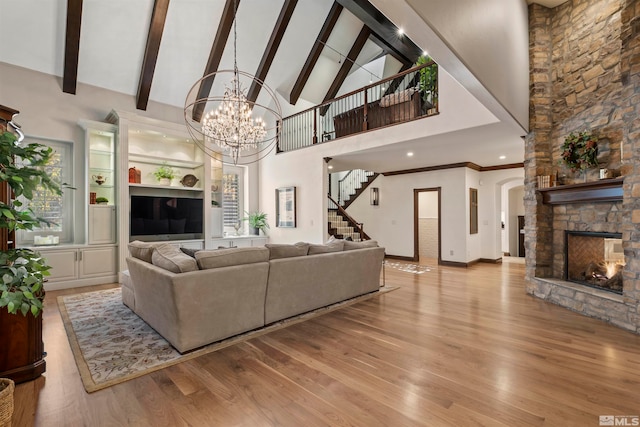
(409, 268)
(111, 344)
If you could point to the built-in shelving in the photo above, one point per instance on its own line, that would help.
(165, 187)
(157, 160)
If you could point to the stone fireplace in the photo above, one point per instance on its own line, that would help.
(584, 75)
(594, 259)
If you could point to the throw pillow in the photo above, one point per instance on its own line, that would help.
(189, 251)
(278, 250)
(171, 258)
(141, 250)
(335, 246)
(227, 257)
(349, 246)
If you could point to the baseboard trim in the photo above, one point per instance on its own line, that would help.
(399, 257)
(491, 261)
(454, 264)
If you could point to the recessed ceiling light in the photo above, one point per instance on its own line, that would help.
(330, 167)
(400, 31)
(503, 157)
(410, 153)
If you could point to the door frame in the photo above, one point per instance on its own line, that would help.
(416, 205)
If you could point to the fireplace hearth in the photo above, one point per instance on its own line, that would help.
(594, 259)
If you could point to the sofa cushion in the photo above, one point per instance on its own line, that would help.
(141, 250)
(334, 246)
(227, 257)
(278, 250)
(349, 246)
(171, 258)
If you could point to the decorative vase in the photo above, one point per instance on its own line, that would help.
(6, 401)
(255, 231)
(164, 181)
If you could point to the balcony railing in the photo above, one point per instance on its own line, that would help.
(407, 96)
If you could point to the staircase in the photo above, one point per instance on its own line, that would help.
(340, 228)
(353, 184)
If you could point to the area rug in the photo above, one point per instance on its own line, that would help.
(408, 268)
(111, 344)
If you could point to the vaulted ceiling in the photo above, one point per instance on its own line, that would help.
(156, 50)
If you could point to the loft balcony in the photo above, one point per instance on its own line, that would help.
(407, 96)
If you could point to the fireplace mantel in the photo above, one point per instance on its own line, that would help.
(604, 190)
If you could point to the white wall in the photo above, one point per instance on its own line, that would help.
(428, 204)
(486, 49)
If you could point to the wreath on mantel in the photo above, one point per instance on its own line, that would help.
(580, 150)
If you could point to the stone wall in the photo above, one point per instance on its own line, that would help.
(585, 74)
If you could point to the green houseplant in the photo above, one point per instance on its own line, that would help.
(428, 80)
(257, 221)
(164, 172)
(102, 200)
(22, 270)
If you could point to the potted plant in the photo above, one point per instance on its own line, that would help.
(164, 174)
(23, 271)
(428, 81)
(257, 221)
(102, 200)
(580, 150)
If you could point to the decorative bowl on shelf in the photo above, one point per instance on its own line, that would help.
(189, 180)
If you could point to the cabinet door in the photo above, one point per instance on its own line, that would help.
(260, 241)
(96, 262)
(102, 224)
(241, 243)
(64, 265)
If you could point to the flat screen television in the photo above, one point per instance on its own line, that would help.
(155, 218)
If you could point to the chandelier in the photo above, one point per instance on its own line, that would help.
(243, 129)
(232, 123)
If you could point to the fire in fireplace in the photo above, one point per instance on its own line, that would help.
(594, 259)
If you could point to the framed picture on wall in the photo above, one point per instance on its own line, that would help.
(286, 207)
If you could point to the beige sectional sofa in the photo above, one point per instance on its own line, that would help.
(195, 301)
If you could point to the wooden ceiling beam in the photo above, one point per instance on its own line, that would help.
(156, 28)
(272, 48)
(322, 38)
(355, 50)
(72, 46)
(217, 49)
(385, 32)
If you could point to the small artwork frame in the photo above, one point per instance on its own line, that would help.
(286, 207)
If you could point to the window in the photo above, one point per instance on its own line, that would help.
(45, 204)
(473, 214)
(232, 197)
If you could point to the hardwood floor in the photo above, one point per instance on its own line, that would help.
(451, 347)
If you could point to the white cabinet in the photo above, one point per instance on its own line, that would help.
(80, 266)
(237, 242)
(102, 224)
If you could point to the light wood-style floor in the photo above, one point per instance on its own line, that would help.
(451, 347)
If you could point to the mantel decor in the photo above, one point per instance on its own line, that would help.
(580, 150)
